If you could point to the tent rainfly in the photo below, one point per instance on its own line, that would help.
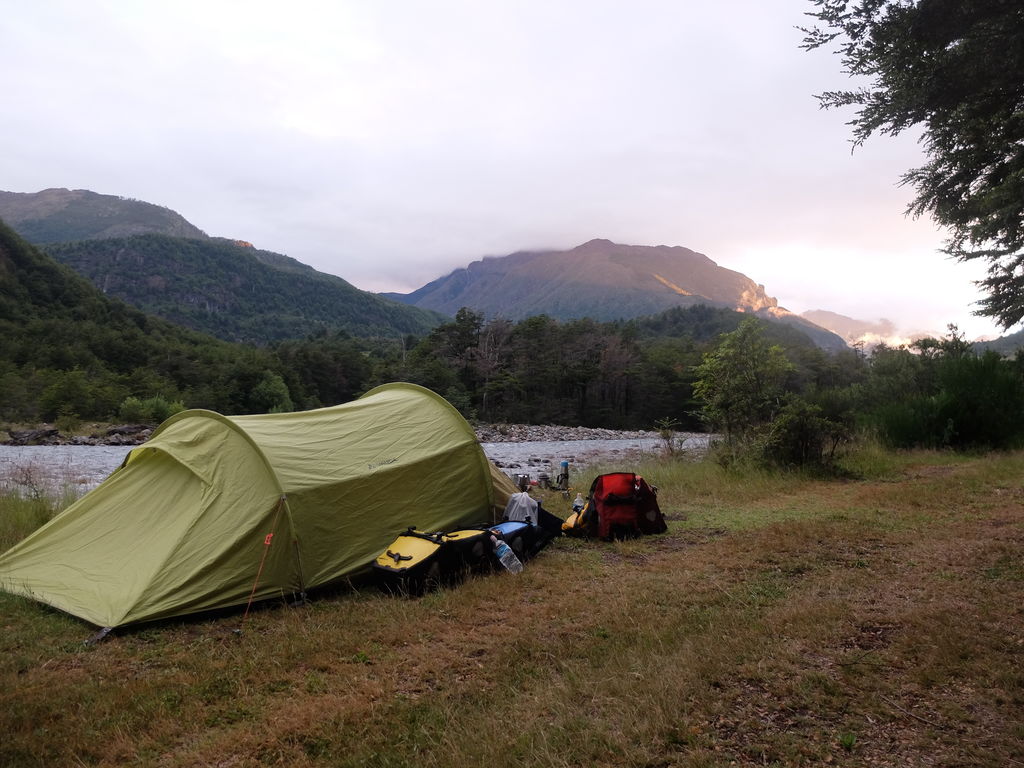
(213, 509)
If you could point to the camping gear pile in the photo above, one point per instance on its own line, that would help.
(418, 561)
(620, 505)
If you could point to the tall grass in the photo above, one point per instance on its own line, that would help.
(26, 503)
(20, 515)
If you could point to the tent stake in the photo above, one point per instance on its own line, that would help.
(98, 637)
(302, 581)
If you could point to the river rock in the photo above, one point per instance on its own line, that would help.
(46, 436)
(526, 433)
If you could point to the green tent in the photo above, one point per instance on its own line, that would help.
(213, 509)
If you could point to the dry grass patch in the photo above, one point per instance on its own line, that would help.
(783, 622)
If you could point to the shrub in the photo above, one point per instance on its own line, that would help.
(67, 420)
(976, 404)
(799, 436)
(159, 409)
(132, 410)
(152, 410)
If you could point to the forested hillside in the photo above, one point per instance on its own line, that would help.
(1008, 346)
(67, 350)
(234, 291)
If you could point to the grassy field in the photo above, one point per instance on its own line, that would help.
(781, 621)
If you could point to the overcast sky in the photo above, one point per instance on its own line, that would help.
(391, 141)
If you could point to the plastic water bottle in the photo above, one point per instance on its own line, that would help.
(506, 556)
(579, 503)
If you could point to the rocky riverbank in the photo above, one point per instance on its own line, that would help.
(122, 434)
(530, 433)
(538, 450)
(135, 434)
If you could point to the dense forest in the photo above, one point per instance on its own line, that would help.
(539, 370)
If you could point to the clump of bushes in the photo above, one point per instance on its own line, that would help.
(151, 410)
(744, 384)
(973, 403)
(936, 393)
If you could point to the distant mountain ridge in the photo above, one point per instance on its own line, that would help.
(864, 332)
(604, 281)
(59, 215)
(154, 259)
(1007, 346)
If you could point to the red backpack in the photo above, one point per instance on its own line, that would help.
(620, 505)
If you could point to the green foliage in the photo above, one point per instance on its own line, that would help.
(963, 402)
(67, 420)
(132, 411)
(26, 509)
(800, 436)
(940, 394)
(541, 371)
(151, 410)
(462, 401)
(741, 382)
(326, 369)
(957, 70)
(619, 375)
(748, 387)
(271, 395)
(72, 390)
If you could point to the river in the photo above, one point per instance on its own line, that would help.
(76, 469)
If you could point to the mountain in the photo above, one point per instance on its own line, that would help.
(850, 328)
(60, 215)
(703, 323)
(605, 281)
(865, 332)
(234, 291)
(152, 258)
(1007, 346)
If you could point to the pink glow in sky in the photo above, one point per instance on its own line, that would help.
(391, 142)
